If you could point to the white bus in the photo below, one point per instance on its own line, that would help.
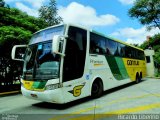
(66, 62)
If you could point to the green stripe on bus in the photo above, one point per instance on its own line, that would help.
(114, 67)
(39, 85)
(121, 67)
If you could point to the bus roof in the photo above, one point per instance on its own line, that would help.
(82, 27)
(104, 36)
(49, 28)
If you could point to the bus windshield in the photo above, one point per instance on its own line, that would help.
(40, 62)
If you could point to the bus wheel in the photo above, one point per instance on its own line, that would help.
(97, 89)
(138, 79)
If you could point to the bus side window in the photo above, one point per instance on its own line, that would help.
(74, 61)
(117, 51)
(112, 46)
(93, 47)
(107, 47)
(128, 52)
(97, 44)
(122, 50)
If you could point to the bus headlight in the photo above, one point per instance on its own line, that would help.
(52, 86)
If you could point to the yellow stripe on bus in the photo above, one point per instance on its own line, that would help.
(98, 65)
(28, 84)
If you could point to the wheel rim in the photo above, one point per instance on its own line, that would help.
(137, 79)
(95, 88)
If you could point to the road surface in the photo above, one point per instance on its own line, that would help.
(131, 99)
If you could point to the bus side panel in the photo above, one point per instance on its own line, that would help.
(114, 67)
(100, 68)
(122, 67)
(134, 66)
(117, 67)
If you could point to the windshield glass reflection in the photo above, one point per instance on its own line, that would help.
(40, 63)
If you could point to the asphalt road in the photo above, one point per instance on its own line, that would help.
(134, 100)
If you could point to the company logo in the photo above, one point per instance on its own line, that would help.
(132, 62)
(27, 83)
(96, 63)
(77, 90)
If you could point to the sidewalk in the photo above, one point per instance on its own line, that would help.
(153, 77)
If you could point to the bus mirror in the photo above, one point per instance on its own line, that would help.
(18, 52)
(57, 45)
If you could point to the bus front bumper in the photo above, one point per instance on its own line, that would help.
(53, 96)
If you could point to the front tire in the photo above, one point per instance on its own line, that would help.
(97, 89)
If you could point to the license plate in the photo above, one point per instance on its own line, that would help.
(34, 95)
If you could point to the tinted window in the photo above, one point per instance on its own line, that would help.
(128, 53)
(148, 60)
(97, 44)
(107, 46)
(141, 55)
(117, 52)
(122, 50)
(112, 47)
(134, 53)
(74, 61)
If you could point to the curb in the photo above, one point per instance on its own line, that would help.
(154, 77)
(10, 93)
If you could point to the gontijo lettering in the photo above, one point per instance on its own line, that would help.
(132, 62)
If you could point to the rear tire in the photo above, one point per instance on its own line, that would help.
(97, 89)
(138, 79)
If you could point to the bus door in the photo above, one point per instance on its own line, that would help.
(74, 64)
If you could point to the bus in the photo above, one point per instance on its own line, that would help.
(67, 62)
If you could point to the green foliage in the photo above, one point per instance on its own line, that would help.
(16, 27)
(49, 13)
(144, 45)
(10, 38)
(2, 3)
(17, 18)
(157, 74)
(154, 42)
(157, 56)
(13, 35)
(147, 12)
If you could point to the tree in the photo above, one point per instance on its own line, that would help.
(16, 27)
(2, 3)
(147, 12)
(49, 13)
(153, 42)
